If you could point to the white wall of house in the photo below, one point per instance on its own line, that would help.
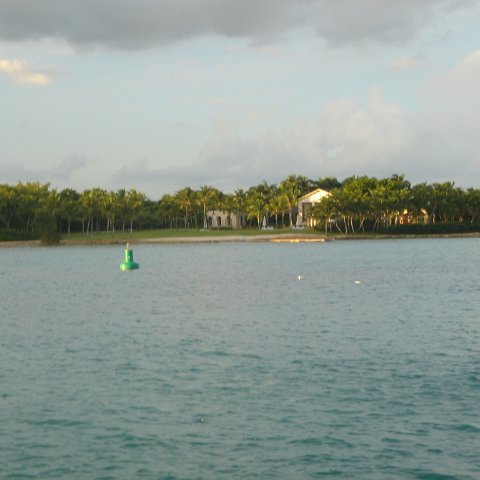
(305, 203)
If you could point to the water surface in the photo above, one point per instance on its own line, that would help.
(215, 361)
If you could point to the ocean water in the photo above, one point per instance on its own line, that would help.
(215, 361)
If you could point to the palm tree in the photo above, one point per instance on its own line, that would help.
(217, 201)
(228, 206)
(472, 204)
(31, 196)
(240, 204)
(53, 204)
(255, 207)
(327, 183)
(326, 211)
(110, 207)
(167, 210)
(205, 196)
(10, 205)
(278, 204)
(134, 202)
(69, 206)
(423, 201)
(185, 199)
(260, 194)
(89, 200)
(293, 187)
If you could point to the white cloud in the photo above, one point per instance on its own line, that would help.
(458, 87)
(344, 139)
(455, 96)
(23, 73)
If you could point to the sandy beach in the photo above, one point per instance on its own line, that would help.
(270, 238)
(280, 238)
(286, 237)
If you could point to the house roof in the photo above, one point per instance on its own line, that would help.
(313, 192)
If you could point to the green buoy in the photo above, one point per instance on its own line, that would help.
(128, 263)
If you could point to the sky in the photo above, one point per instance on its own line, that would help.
(158, 94)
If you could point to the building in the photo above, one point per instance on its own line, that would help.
(222, 219)
(305, 203)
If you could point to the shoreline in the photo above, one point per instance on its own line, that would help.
(268, 238)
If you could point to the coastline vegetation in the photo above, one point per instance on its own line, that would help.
(356, 206)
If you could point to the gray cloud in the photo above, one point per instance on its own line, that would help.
(63, 171)
(68, 166)
(137, 24)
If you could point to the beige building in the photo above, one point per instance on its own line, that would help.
(305, 203)
(221, 219)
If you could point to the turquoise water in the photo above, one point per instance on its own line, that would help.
(215, 361)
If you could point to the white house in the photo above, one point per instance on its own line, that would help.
(305, 203)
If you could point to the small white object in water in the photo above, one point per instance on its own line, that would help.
(300, 277)
(357, 282)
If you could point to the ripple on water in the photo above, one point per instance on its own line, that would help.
(228, 367)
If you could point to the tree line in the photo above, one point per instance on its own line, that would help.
(394, 205)
(25, 206)
(354, 204)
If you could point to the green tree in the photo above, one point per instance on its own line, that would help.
(228, 205)
(217, 201)
(134, 202)
(53, 205)
(240, 197)
(110, 208)
(327, 183)
(10, 205)
(168, 210)
(185, 199)
(472, 204)
(293, 187)
(205, 198)
(31, 196)
(278, 204)
(89, 206)
(69, 206)
(256, 207)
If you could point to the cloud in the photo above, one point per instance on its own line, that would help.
(63, 171)
(23, 73)
(458, 87)
(456, 97)
(137, 24)
(156, 181)
(344, 139)
(68, 166)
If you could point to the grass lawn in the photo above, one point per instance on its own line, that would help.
(178, 233)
